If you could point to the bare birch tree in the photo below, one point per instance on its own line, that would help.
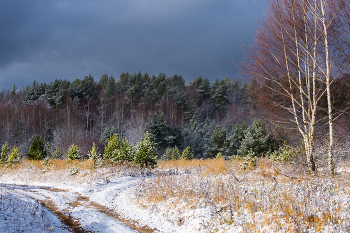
(294, 51)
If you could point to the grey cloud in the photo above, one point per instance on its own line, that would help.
(44, 40)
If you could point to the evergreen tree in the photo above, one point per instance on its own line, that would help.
(145, 154)
(14, 157)
(33, 92)
(236, 137)
(108, 85)
(4, 150)
(108, 133)
(156, 88)
(177, 90)
(194, 139)
(168, 154)
(202, 90)
(187, 154)
(56, 91)
(219, 96)
(175, 153)
(164, 135)
(57, 154)
(123, 153)
(257, 139)
(83, 89)
(73, 153)
(94, 155)
(113, 143)
(37, 150)
(123, 82)
(218, 142)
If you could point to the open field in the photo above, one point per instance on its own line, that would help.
(194, 195)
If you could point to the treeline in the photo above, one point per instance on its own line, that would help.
(210, 118)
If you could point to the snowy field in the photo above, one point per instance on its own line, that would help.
(32, 201)
(185, 199)
(19, 213)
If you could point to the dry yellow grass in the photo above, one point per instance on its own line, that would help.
(282, 197)
(56, 165)
(208, 166)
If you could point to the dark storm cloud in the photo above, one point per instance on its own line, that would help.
(45, 40)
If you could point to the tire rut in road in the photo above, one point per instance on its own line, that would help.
(84, 201)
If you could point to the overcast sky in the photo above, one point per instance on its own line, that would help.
(45, 40)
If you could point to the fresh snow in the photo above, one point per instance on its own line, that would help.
(20, 213)
(73, 200)
(109, 202)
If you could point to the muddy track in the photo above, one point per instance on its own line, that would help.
(81, 201)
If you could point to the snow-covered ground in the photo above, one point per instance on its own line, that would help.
(69, 205)
(20, 213)
(111, 200)
(89, 208)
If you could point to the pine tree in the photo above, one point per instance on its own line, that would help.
(236, 137)
(219, 96)
(94, 155)
(187, 154)
(73, 153)
(257, 139)
(163, 134)
(145, 154)
(108, 133)
(175, 153)
(4, 150)
(118, 150)
(113, 143)
(197, 135)
(123, 153)
(202, 90)
(14, 157)
(55, 93)
(218, 143)
(37, 149)
(168, 154)
(57, 154)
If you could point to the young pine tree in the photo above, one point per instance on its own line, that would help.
(175, 153)
(73, 153)
(123, 153)
(187, 153)
(4, 150)
(94, 155)
(113, 143)
(145, 154)
(37, 149)
(14, 157)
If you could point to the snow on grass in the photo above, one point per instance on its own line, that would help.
(70, 194)
(19, 213)
(232, 200)
(192, 196)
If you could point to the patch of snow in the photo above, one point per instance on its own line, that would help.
(93, 220)
(20, 213)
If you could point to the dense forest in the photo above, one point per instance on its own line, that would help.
(220, 117)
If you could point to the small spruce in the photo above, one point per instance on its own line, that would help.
(4, 150)
(37, 149)
(94, 155)
(145, 154)
(187, 153)
(73, 153)
(14, 157)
